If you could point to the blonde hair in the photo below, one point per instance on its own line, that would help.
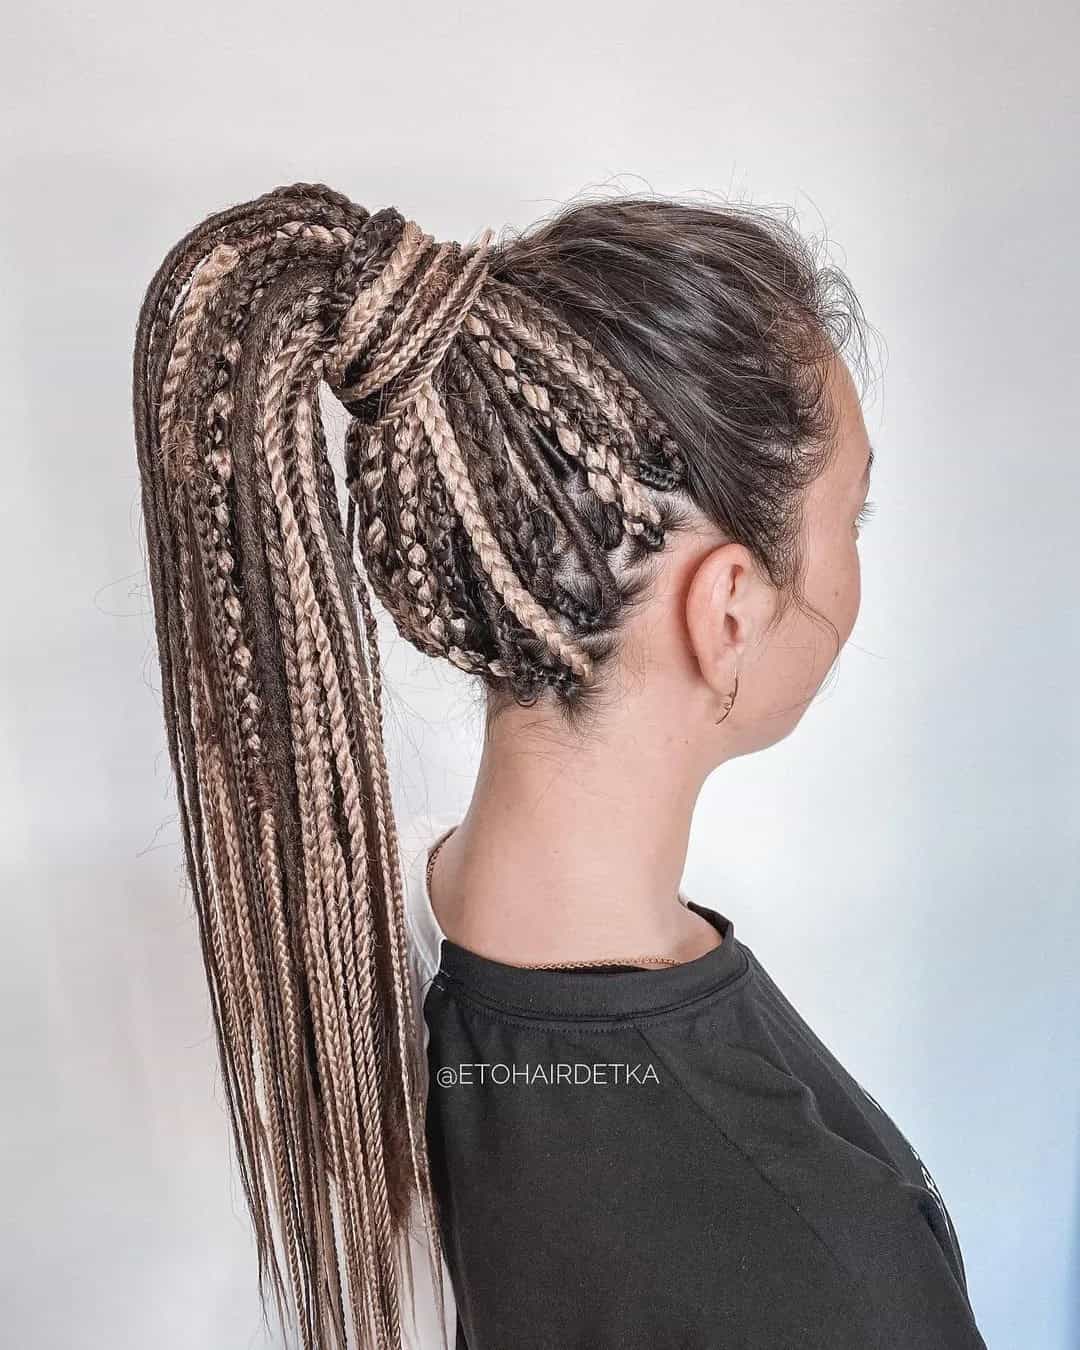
(503, 481)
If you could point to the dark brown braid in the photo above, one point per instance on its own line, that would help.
(504, 484)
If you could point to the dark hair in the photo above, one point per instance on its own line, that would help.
(727, 318)
(527, 419)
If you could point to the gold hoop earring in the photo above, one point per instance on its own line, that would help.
(730, 698)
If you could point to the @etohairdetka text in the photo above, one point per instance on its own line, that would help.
(552, 1074)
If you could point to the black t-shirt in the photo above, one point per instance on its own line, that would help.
(667, 1160)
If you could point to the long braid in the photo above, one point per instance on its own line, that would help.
(501, 482)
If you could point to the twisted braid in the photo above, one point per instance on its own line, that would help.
(501, 483)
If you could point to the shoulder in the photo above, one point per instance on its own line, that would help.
(417, 834)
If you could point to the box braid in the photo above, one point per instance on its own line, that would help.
(503, 482)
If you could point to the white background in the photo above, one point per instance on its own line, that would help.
(906, 863)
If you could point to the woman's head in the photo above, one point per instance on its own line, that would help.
(739, 336)
(614, 452)
(628, 371)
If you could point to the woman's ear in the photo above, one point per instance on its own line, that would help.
(723, 613)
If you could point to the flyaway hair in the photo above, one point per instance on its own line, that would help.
(503, 480)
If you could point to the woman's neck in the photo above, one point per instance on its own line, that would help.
(571, 850)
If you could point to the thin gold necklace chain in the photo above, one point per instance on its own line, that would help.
(563, 965)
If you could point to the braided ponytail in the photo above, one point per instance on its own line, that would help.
(493, 463)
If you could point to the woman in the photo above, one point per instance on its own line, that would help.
(615, 466)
